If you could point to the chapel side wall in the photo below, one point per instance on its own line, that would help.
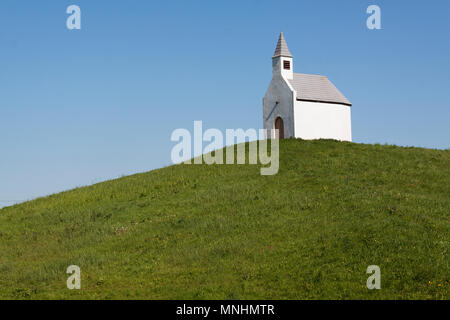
(316, 120)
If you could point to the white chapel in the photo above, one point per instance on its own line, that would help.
(304, 106)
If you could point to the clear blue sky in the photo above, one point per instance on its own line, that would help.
(78, 107)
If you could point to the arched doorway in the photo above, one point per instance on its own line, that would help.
(280, 126)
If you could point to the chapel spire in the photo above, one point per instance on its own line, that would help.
(282, 49)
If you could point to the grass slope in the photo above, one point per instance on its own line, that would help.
(226, 232)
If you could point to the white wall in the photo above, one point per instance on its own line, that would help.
(314, 120)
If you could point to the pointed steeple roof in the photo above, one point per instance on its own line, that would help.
(282, 48)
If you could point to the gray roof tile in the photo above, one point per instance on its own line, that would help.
(317, 88)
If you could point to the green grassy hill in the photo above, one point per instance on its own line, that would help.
(226, 232)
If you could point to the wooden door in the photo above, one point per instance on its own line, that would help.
(280, 126)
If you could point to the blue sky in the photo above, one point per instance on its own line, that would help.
(82, 106)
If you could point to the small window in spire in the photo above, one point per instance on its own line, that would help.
(287, 65)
